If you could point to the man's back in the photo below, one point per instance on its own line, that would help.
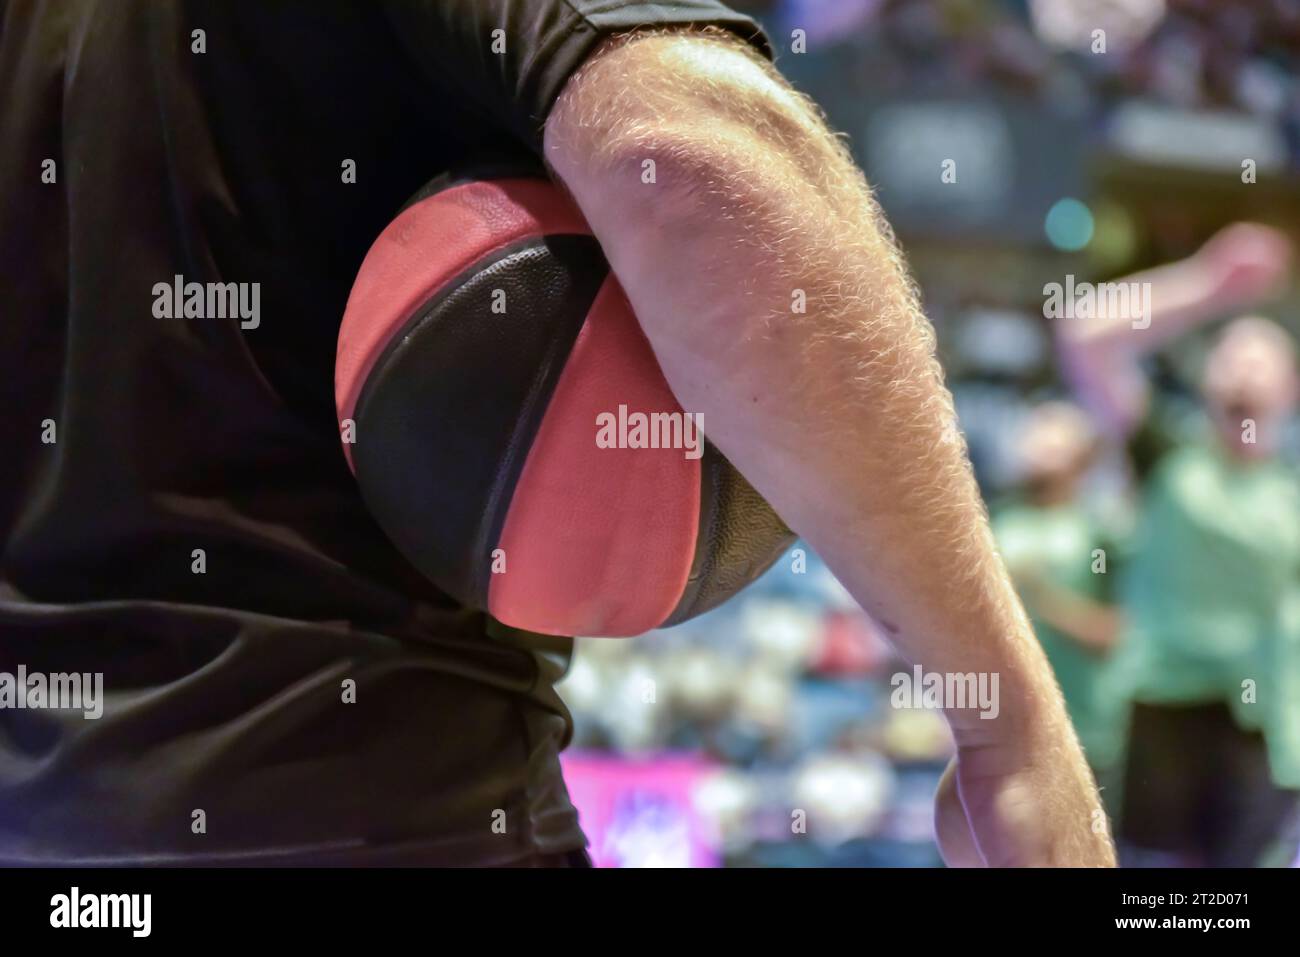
(175, 510)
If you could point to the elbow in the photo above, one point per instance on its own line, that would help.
(666, 120)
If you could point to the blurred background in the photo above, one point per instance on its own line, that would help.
(1088, 139)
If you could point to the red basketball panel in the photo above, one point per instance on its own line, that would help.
(599, 541)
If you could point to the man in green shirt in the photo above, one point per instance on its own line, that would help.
(1210, 590)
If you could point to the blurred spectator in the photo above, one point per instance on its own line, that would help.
(1214, 577)
(1062, 560)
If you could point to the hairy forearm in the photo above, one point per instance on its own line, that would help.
(779, 309)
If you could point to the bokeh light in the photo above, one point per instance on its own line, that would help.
(1069, 224)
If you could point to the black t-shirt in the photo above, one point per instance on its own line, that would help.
(175, 509)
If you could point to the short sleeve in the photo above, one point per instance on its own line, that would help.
(510, 59)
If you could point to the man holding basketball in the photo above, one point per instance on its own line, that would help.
(215, 155)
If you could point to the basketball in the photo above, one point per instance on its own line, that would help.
(512, 433)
